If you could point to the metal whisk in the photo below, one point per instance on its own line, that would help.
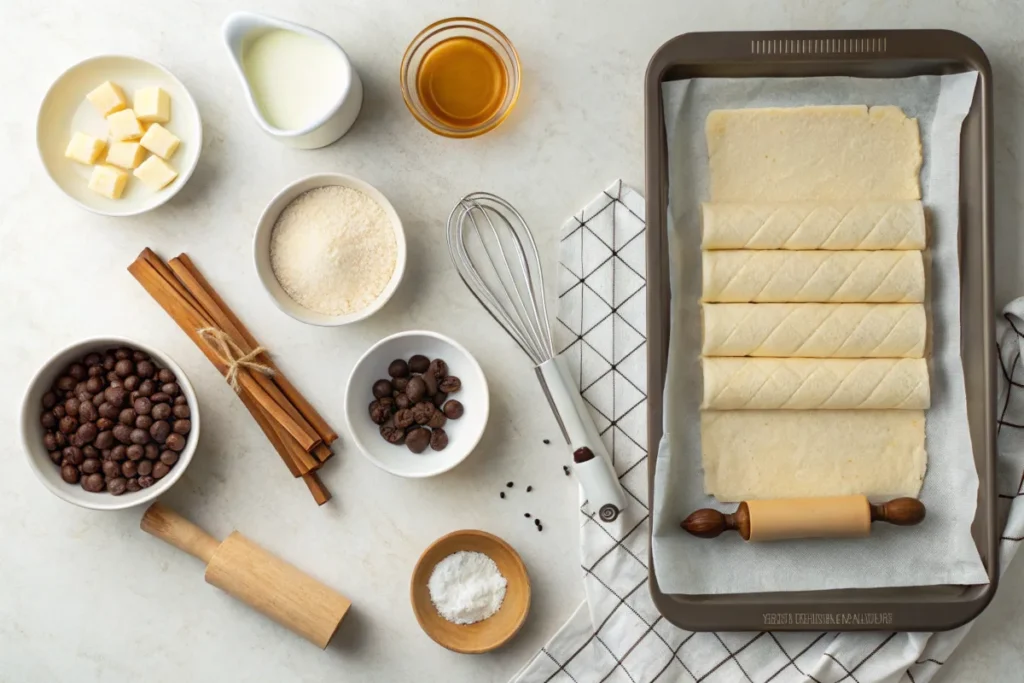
(496, 256)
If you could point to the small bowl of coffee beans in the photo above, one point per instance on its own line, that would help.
(417, 404)
(109, 423)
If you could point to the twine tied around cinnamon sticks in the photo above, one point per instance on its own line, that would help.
(233, 357)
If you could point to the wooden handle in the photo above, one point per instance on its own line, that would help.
(170, 527)
(835, 517)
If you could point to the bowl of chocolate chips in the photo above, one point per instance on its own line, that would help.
(417, 404)
(109, 423)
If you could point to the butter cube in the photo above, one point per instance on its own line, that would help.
(160, 141)
(152, 105)
(84, 148)
(155, 172)
(124, 125)
(125, 154)
(107, 98)
(108, 181)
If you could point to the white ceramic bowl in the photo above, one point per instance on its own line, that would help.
(32, 431)
(261, 249)
(241, 28)
(463, 434)
(65, 110)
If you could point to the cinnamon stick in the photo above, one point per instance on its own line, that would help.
(320, 493)
(268, 430)
(298, 400)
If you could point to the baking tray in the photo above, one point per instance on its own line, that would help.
(865, 54)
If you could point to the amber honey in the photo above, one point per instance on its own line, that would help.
(462, 82)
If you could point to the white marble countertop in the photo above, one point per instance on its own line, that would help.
(85, 596)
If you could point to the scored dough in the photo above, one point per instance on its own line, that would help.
(813, 276)
(754, 454)
(863, 226)
(815, 384)
(813, 154)
(815, 330)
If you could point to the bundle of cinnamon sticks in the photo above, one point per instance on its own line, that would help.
(298, 433)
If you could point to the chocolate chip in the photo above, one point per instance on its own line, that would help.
(160, 431)
(129, 468)
(132, 383)
(181, 400)
(93, 483)
(90, 465)
(69, 473)
(417, 440)
(109, 362)
(67, 424)
(134, 452)
(73, 455)
(161, 411)
(142, 405)
(132, 486)
(66, 383)
(181, 412)
(146, 481)
(56, 457)
(122, 353)
(145, 369)
(48, 421)
(126, 417)
(122, 433)
(166, 376)
(96, 371)
(453, 409)
(87, 412)
(161, 397)
(450, 384)
(382, 388)
(509, 484)
(87, 432)
(124, 367)
(118, 453)
(112, 469)
(171, 389)
(159, 470)
(115, 395)
(139, 436)
(71, 407)
(419, 363)
(439, 440)
(94, 384)
(58, 411)
(145, 468)
(147, 388)
(108, 410)
(144, 421)
(152, 451)
(176, 442)
(117, 486)
(103, 424)
(398, 368)
(169, 458)
(93, 359)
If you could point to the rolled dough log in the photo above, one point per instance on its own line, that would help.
(813, 154)
(813, 276)
(816, 384)
(864, 226)
(752, 454)
(815, 330)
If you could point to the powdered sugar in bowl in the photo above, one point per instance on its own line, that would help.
(330, 249)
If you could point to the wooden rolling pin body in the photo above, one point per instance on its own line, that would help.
(249, 573)
(831, 517)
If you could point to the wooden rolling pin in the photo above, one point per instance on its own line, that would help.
(251, 574)
(775, 520)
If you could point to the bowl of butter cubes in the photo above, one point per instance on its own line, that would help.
(119, 135)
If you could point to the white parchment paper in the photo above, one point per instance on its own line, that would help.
(941, 550)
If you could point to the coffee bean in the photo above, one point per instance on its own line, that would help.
(422, 412)
(439, 440)
(74, 455)
(404, 418)
(90, 465)
(61, 439)
(93, 483)
(142, 405)
(437, 420)
(402, 401)
(392, 434)
(145, 468)
(181, 411)
(111, 468)
(134, 452)
(379, 413)
(439, 399)
(144, 421)
(124, 367)
(145, 369)
(139, 436)
(382, 388)
(176, 442)
(132, 383)
(69, 473)
(166, 376)
(145, 482)
(438, 368)
(416, 389)
(87, 412)
(160, 397)
(129, 469)
(152, 451)
(181, 400)
(431, 382)
(147, 388)
(419, 363)
(127, 417)
(169, 458)
(67, 424)
(453, 409)
(417, 440)
(71, 407)
(161, 411)
(58, 411)
(117, 486)
(398, 368)
(104, 424)
(122, 433)
(48, 421)
(132, 486)
(87, 432)
(450, 384)
(160, 430)
(159, 470)
(66, 383)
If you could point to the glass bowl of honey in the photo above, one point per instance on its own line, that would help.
(460, 77)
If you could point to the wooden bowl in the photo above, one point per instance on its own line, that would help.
(486, 635)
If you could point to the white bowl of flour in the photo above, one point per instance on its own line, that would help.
(330, 249)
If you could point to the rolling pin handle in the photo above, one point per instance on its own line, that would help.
(170, 527)
(709, 523)
(899, 511)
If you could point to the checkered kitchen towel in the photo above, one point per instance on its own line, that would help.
(617, 635)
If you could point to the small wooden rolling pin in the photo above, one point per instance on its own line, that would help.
(251, 574)
(776, 520)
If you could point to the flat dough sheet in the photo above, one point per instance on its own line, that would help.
(815, 330)
(816, 384)
(813, 154)
(750, 454)
(799, 226)
(813, 276)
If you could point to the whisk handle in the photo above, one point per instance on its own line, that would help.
(596, 476)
